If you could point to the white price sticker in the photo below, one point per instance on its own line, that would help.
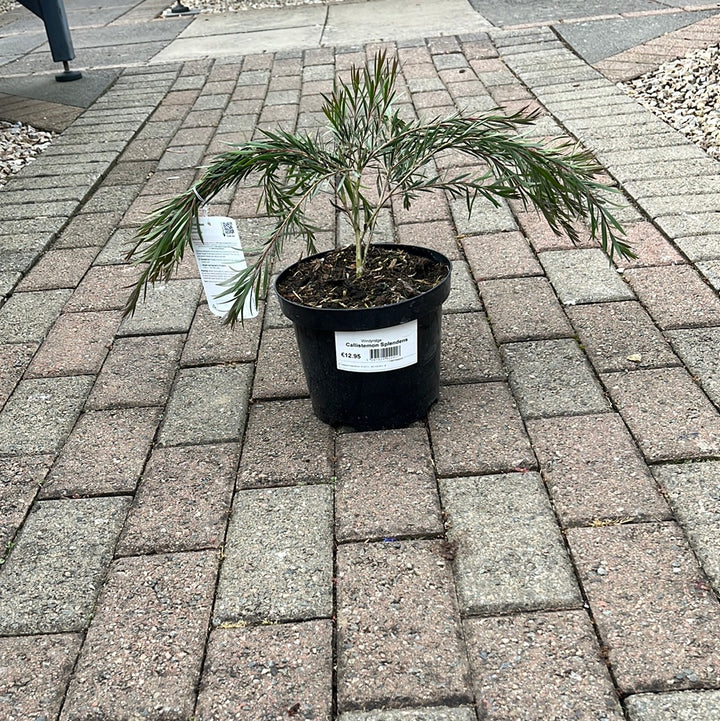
(219, 257)
(374, 351)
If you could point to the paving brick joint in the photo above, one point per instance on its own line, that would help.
(180, 537)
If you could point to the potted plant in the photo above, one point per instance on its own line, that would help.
(367, 317)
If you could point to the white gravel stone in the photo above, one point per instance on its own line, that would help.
(223, 6)
(685, 93)
(19, 144)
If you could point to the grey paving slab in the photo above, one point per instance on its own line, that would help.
(385, 486)
(685, 224)
(38, 592)
(438, 713)
(40, 414)
(673, 706)
(260, 670)
(211, 342)
(20, 479)
(485, 217)
(143, 651)
(27, 317)
(542, 665)
(104, 454)
(523, 309)
(278, 562)
(699, 349)
(700, 247)
(14, 359)
(667, 413)
(651, 605)
(500, 255)
(279, 372)
(207, 405)
(35, 671)
(584, 276)
(399, 639)
(468, 351)
(509, 550)
(138, 371)
(285, 444)
(463, 291)
(167, 308)
(476, 428)
(552, 378)
(621, 336)
(693, 491)
(594, 471)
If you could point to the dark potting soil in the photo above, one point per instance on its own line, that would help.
(390, 276)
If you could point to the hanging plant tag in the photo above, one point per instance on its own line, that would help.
(375, 351)
(219, 257)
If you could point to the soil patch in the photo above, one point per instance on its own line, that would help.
(391, 275)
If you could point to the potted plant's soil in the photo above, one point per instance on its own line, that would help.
(369, 346)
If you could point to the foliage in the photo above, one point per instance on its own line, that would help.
(369, 156)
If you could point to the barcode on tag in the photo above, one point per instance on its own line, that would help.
(227, 229)
(378, 350)
(384, 353)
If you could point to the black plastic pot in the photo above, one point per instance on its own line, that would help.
(380, 383)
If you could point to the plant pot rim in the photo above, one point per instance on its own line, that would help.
(342, 318)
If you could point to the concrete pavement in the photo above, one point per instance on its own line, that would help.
(183, 540)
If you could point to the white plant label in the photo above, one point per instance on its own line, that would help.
(374, 351)
(219, 257)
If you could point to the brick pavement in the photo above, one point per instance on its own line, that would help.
(182, 539)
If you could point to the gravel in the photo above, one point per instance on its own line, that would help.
(223, 6)
(685, 94)
(6, 5)
(19, 144)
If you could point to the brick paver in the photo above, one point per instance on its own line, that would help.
(552, 378)
(137, 372)
(27, 317)
(399, 637)
(143, 650)
(40, 414)
(76, 345)
(594, 470)
(261, 672)
(34, 673)
(20, 480)
(468, 352)
(620, 336)
(692, 493)
(668, 415)
(523, 309)
(654, 611)
(673, 706)
(547, 662)
(385, 485)
(286, 445)
(104, 454)
(207, 405)
(278, 556)
(38, 591)
(477, 429)
(183, 501)
(584, 276)
(508, 550)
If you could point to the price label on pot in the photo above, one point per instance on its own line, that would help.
(219, 257)
(374, 351)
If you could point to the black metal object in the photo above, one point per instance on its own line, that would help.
(52, 13)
